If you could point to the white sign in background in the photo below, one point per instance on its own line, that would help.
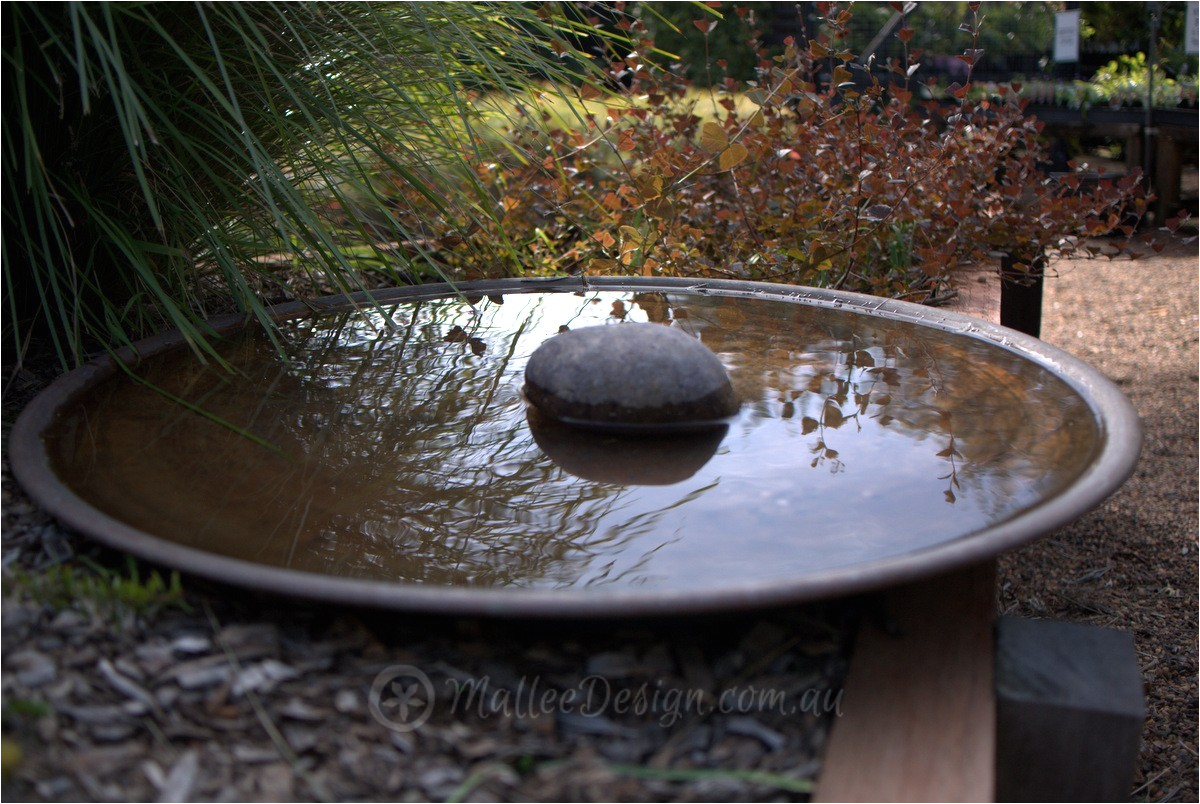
(1066, 36)
(1191, 34)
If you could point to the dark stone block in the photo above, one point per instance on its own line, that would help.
(1069, 711)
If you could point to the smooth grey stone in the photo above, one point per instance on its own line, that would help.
(629, 376)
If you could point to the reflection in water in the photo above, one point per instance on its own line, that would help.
(624, 458)
(404, 452)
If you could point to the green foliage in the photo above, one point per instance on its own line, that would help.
(1005, 29)
(21, 709)
(707, 52)
(816, 173)
(1128, 24)
(1126, 79)
(156, 155)
(98, 590)
(708, 55)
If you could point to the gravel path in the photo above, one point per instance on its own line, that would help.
(1132, 563)
(221, 694)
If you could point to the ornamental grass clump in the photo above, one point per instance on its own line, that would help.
(161, 160)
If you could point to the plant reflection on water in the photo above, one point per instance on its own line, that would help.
(404, 452)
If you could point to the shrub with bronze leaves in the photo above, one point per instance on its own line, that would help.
(822, 171)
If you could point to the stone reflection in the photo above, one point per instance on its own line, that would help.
(399, 447)
(624, 459)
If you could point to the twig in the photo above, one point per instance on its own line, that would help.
(1148, 782)
(127, 686)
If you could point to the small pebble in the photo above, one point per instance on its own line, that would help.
(346, 702)
(33, 667)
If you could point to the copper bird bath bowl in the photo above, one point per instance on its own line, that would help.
(386, 456)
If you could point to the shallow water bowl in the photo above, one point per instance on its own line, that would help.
(387, 457)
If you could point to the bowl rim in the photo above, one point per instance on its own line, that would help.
(1120, 446)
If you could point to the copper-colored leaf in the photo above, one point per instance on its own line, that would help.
(733, 156)
(600, 266)
(713, 138)
(649, 187)
(970, 57)
(832, 417)
(863, 358)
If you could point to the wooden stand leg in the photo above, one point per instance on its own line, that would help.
(1168, 170)
(1021, 296)
(919, 722)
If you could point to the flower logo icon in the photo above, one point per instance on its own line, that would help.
(401, 698)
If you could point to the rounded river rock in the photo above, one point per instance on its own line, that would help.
(629, 375)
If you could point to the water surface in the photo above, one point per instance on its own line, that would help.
(401, 448)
